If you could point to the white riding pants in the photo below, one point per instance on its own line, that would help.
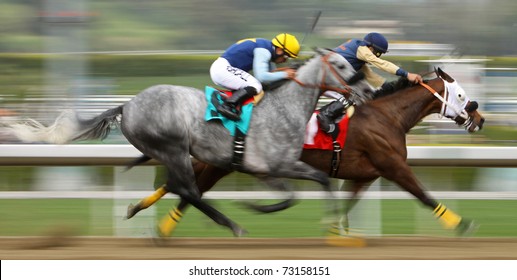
(225, 75)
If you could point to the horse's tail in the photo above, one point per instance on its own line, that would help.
(66, 128)
(98, 127)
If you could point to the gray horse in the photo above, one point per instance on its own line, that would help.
(166, 122)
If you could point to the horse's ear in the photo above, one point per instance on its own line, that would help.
(319, 50)
(439, 72)
(444, 75)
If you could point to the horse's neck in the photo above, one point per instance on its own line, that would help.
(411, 105)
(296, 100)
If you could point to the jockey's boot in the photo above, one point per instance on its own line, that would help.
(330, 112)
(230, 107)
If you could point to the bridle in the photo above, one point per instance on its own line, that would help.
(345, 89)
(460, 112)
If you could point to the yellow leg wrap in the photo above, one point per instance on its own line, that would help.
(447, 218)
(169, 222)
(150, 200)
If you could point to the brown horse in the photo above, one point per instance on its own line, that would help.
(375, 147)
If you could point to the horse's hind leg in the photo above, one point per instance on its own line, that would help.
(132, 210)
(182, 182)
(206, 177)
(342, 226)
(339, 232)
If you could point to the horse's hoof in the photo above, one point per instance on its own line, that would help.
(157, 238)
(239, 232)
(467, 228)
(345, 241)
(132, 210)
(158, 232)
(337, 235)
(335, 230)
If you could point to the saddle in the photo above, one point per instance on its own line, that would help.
(315, 138)
(238, 129)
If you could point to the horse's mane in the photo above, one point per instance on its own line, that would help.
(293, 65)
(274, 85)
(393, 87)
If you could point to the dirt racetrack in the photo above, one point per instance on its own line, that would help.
(385, 248)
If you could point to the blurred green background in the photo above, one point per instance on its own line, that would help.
(482, 27)
(91, 55)
(90, 217)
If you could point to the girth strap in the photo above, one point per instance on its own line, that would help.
(336, 154)
(336, 159)
(239, 142)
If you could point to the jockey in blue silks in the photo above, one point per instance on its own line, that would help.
(231, 69)
(360, 53)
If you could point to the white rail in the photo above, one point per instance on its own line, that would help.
(240, 195)
(120, 155)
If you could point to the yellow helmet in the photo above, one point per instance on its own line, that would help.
(288, 43)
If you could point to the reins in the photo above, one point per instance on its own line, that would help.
(345, 91)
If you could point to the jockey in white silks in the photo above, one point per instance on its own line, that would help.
(231, 70)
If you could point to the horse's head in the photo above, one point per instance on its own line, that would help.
(460, 108)
(342, 77)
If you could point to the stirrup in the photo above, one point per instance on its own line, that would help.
(227, 111)
(331, 128)
(347, 104)
(325, 124)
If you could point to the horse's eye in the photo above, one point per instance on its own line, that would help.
(461, 97)
(341, 66)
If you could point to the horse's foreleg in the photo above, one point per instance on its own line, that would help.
(280, 185)
(132, 210)
(406, 179)
(302, 171)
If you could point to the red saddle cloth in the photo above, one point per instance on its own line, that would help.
(317, 139)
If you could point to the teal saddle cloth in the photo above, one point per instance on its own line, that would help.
(214, 98)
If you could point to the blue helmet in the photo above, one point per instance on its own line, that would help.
(377, 41)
